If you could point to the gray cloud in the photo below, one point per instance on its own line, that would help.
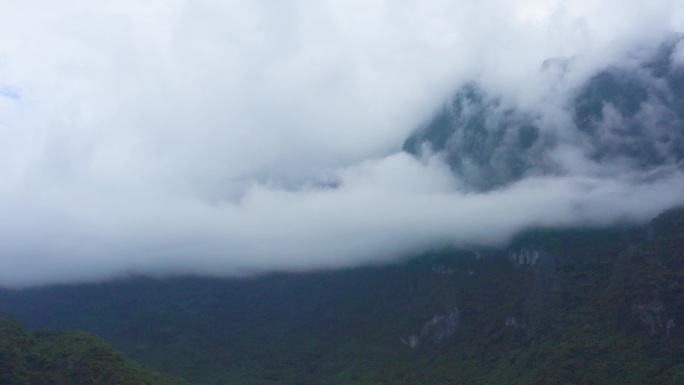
(240, 137)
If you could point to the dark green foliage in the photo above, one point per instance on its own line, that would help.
(66, 358)
(592, 309)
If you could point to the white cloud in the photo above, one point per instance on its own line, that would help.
(678, 55)
(178, 136)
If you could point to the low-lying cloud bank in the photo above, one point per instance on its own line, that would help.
(240, 137)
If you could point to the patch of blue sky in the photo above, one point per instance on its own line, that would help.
(9, 92)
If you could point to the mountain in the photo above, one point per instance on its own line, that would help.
(582, 306)
(630, 116)
(591, 305)
(66, 358)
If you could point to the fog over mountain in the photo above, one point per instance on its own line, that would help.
(626, 118)
(240, 137)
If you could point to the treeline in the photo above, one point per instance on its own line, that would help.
(66, 358)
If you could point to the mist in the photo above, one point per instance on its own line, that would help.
(244, 137)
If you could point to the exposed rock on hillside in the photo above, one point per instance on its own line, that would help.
(436, 330)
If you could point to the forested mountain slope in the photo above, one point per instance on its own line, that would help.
(585, 306)
(66, 358)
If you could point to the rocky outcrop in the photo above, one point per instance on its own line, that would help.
(436, 330)
(524, 257)
(653, 315)
(650, 313)
(444, 270)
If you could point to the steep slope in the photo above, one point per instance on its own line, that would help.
(630, 117)
(556, 306)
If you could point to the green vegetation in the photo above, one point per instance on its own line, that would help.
(598, 306)
(66, 358)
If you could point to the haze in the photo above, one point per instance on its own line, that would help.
(235, 137)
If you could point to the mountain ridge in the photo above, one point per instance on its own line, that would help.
(598, 298)
(629, 117)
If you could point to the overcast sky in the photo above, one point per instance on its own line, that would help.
(244, 136)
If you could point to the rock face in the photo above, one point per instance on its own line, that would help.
(444, 270)
(669, 327)
(651, 314)
(524, 257)
(436, 330)
(511, 321)
(630, 116)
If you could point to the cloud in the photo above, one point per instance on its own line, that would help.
(678, 54)
(238, 137)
